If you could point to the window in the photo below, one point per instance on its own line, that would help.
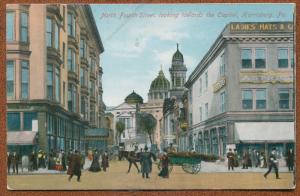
(82, 48)
(49, 32)
(200, 88)
(10, 72)
(222, 65)
(72, 95)
(64, 91)
(13, 121)
(222, 101)
(191, 96)
(71, 60)
(92, 88)
(63, 54)
(206, 80)
(92, 65)
(57, 84)
(246, 58)
(83, 110)
(206, 111)
(191, 119)
(247, 99)
(27, 121)
(92, 113)
(50, 81)
(24, 27)
(285, 57)
(56, 35)
(71, 25)
(257, 96)
(178, 81)
(81, 77)
(284, 99)
(10, 26)
(260, 99)
(283, 61)
(24, 79)
(260, 58)
(200, 110)
(292, 57)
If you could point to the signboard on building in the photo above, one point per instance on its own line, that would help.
(35, 125)
(248, 27)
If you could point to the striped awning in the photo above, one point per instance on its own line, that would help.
(21, 138)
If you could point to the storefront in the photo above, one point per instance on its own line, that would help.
(21, 142)
(263, 136)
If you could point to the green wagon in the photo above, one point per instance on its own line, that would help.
(189, 164)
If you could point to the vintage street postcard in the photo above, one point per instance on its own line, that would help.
(150, 96)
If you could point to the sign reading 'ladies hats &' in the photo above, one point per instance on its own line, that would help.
(248, 27)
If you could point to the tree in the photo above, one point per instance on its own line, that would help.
(147, 123)
(120, 127)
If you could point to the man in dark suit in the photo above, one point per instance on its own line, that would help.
(272, 164)
(75, 166)
(132, 159)
(290, 159)
(146, 162)
(230, 157)
(9, 157)
(15, 162)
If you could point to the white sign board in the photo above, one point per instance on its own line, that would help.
(35, 125)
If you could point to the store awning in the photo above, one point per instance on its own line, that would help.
(21, 138)
(259, 132)
(99, 132)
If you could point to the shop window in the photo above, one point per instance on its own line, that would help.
(13, 121)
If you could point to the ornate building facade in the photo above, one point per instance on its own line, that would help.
(241, 94)
(54, 87)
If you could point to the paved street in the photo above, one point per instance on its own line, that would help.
(117, 178)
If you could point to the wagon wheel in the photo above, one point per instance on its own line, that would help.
(170, 167)
(191, 168)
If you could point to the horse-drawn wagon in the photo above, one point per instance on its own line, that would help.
(190, 162)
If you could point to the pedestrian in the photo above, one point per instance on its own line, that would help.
(132, 159)
(262, 158)
(74, 168)
(15, 162)
(51, 161)
(82, 159)
(33, 161)
(257, 159)
(105, 163)
(230, 157)
(164, 166)
(145, 162)
(235, 158)
(63, 161)
(290, 159)
(272, 164)
(95, 166)
(9, 159)
(245, 159)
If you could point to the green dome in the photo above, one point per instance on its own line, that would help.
(177, 56)
(133, 98)
(160, 82)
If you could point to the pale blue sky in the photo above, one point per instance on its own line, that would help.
(136, 46)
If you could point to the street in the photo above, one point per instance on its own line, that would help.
(117, 178)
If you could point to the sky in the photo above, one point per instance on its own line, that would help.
(139, 39)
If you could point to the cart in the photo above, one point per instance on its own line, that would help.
(189, 164)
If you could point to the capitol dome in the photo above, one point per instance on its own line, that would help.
(160, 82)
(133, 98)
(159, 88)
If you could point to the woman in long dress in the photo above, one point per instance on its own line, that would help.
(165, 166)
(95, 166)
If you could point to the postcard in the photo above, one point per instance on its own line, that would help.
(150, 96)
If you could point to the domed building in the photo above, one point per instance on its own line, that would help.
(159, 88)
(134, 98)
